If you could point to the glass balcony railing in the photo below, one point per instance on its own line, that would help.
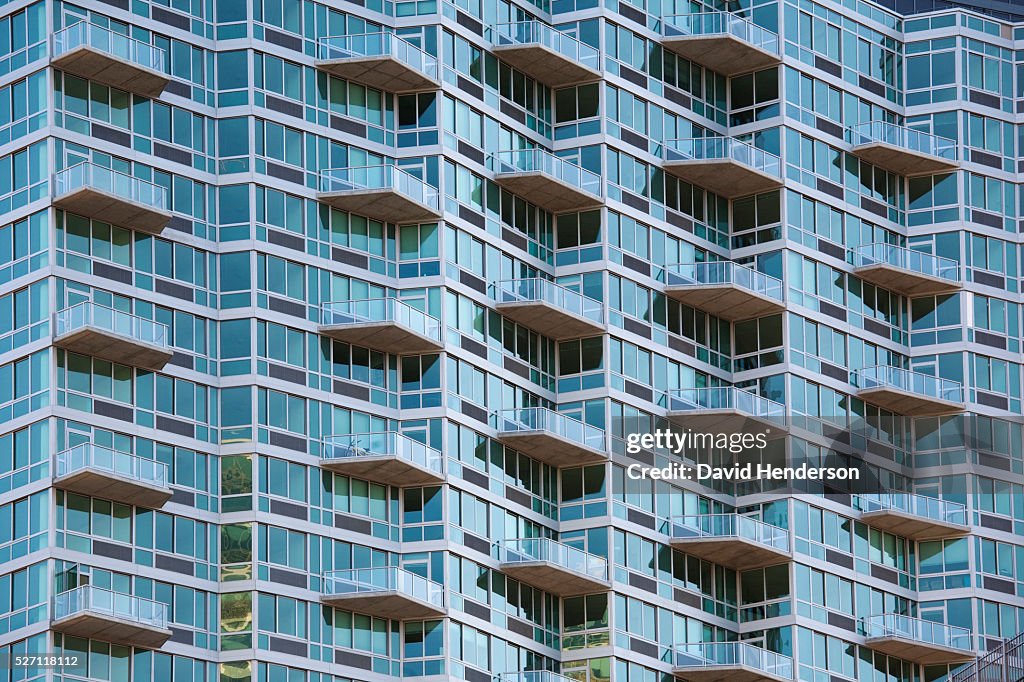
(380, 177)
(723, 398)
(885, 376)
(903, 138)
(88, 314)
(518, 161)
(533, 676)
(534, 289)
(117, 45)
(907, 259)
(366, 581)
(921, 506)
(121, 185)
(381, 310)
(92, 599)
(537, 33)
(722, 149)
(690, 527)
(724, 272)
(95, 457)
(918, 630)
(528, 550)
(729, 654)
(391, 443)
(368, 45)
(703, 24)
(543, 419)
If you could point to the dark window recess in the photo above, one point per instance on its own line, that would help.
(827, 65)
(986, 159)
(280, 305)
(992, 340)
(471, 88)
(832, 310)
(987, 219)
(174, 289)
(179, 359)
(350, 257)
(170, 18)
(348, 125)
(108, 134)
(177, 426)
(873, 206)
(350, 390)
(287, 240)
(283, 39)
(105, 409)
(283, 106)
(829, 188)
(283, 440)
(471, 216)
(172, 154)
(280, 172)
(989, 279)
(110, 272)
(289, 374)
(469, 22)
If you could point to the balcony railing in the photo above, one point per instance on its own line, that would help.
(724, 272)
(380, 177)
(533, 676)
(918, 630)
(885, 376)
(907, 259)
(355, 446)
(517, 161)
(535, 289)
(117, 45)
(701, 24)
(921, 506)
(88, 314)
(380, 44)
(904, 138)
(108, 181)
(525, 419)
(732, 654)
(529, 550)
(723, 398)
(694, 526)
(537, 33)
(354, 581)
(90, 456)
(381, 310)
(92, 599)
(722, 149)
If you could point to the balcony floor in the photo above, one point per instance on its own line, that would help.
(393, 604)
(903, 161)
(101, 343)
(549, 320)
(907, 403)
(386, 469)
(917, 652)
(384, 73)
(546, 191)
(728, 420)
(912, 526)
(545, 65)
(383, 204)
(727, 301)
(551, 448)
(724, 54)
(906, 282)
(93, 625)
(732, 673)
(88, 62)
(724, 177)
(390, 337)
(551, 577)
(109, 486)
(110, 208)
(737, 553)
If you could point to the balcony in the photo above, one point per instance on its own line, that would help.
(389, 458)
(554, 58)
(908, 393)
(721, 41)
(906, 271)
(726, 409)
(96, 613)
(383, 192)
(96, 471)
(725, 289)
(735, 661)
(533, 676)
(916, 640)
(112, 197)
(551, 437)
(731, 540)
(723, 165)
(385, 592)
(385, 324)
(552, 566)
(543, 179)
(548, 308)
(903, 151)
(380, 60)
(914, 516)
(91, 329)
(99, 54)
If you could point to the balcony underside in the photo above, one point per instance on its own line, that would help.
(732, 673)
(110, 208)
(389, 337)
(551, 577)
(737, 553)
(93, 625)
(110, 486)
(722, 54)
(546, 191)
(917, 652)
(551, 448)
(88, 62)
(724, 177)
(728, 420)
(380, 204)
(549, 320)
(907, 403)
(727, 301)
(546, 65)
(902, 161)
(104, 344)
(383, 73)
(392, 604)
(906, 282)
(386, 469)
(912, 526)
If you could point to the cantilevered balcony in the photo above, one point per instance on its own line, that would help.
(903, 151)
(731, 540)
(99, 54)
(726, 409)
(554, 58)
(382, 192)
(914, 516)
(96, 613)
(552, 566)
(908, 393)
(379, 60)
(112, 197)
(533, 676)
(385, 592)
(733, 661)
(548, 308)
(97, 471)
(388, 457)
(384, 324)
(725, 289)
(917, 640)
(723, 165)
(906, 271)
(551, 437)
(546, 180)
(723, 42)
(92, 329)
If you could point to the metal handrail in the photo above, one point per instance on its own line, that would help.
(107, 602)
(722, 149)
(692, 526)
(907, 380)
(723, 272)
(88, 174)
(917, 629)
(514, 161)
(341, 313)
(377, 44)
(536, 32)
(526, 550)
(117, 45)
(91, 456)
(719, 23)
(345, 447)
(383, 579)
(723, 398)
(379, 176)
(542, 290)
(916, 505)
(543, 419)
(706, 654)
(907, 259)
(903, 137)
(90, 314)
